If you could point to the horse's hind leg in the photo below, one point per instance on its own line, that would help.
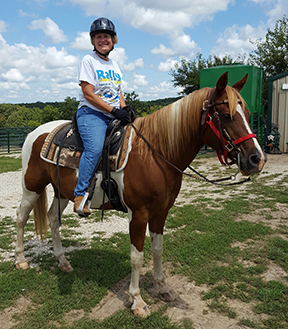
(64, 264)
(27, 203)
(165, 292)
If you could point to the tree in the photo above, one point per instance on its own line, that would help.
(141, 108)
(23, 117)
(187, 73)
(68, 108)
(272, 53)
(49, 113)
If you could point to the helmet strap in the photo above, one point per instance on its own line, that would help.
(104, 55)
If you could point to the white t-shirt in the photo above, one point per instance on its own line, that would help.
(106, 78)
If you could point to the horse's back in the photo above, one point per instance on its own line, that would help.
(32, 137)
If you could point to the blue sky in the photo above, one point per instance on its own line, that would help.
(42, 41)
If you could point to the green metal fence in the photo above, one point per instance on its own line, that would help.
(12, 138)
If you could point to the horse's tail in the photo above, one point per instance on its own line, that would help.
(40, 215)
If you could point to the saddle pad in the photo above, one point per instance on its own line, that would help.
(71, 158)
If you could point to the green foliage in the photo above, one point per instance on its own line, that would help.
(29, 115)
(49, 113)
(20, 116)
(187, 73)
(141, 108)
(68, 108)
(149, 107)
(271, 53)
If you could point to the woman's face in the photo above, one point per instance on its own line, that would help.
(103, 42)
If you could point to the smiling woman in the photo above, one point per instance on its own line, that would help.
(101, 100)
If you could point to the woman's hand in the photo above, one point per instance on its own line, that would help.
(125, 115)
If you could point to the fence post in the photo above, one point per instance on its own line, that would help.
(8, 140)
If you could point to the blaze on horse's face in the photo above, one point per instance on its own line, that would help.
(236, 122)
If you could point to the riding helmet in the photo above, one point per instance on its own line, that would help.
(104, 25)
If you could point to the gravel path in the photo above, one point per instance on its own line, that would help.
(10, 191)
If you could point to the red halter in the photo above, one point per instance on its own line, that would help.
(229, 144)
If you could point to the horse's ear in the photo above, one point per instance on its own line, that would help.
(240, 84)
(222, 83)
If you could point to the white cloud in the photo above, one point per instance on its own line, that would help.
(82, 41)
(3, 26)
(163, 88)
(22, 13)
(279, 9)
(274, 9)
(160, 18)
(140, 80)
(181, 45)
(236, 40)
(92, 7)
(163, 51)
(50, 28)
(167, 66)
(118, 54)
(13, 75)
(23, 67)
(156, 16)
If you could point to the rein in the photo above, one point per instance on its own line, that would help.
(200, 176)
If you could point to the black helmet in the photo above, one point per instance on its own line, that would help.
(103, 25)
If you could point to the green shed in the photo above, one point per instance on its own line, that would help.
(251, 92)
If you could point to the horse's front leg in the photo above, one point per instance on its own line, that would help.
(64, 264)
(165, 292)
(137, 237)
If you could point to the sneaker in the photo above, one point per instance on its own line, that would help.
(80, 206)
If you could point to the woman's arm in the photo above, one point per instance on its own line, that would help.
(88, 92)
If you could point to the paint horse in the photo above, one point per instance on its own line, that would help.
(163, 145)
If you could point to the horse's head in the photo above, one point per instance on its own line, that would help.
(228, 118)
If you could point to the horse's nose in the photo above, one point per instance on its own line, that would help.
(254, 159)
(257, 160)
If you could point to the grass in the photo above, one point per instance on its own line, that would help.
(208, 242)
(9, 164)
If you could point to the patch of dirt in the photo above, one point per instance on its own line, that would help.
(6, 317)
(189, 303)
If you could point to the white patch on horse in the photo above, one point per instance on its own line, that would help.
(157, 250)
(139, 305)
(240, 111)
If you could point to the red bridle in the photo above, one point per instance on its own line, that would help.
(227, 142)
(229, 145)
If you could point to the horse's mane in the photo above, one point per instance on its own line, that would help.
(169, 128)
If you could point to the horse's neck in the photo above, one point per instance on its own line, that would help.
(188, 154)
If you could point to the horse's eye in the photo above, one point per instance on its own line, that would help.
(226, 116)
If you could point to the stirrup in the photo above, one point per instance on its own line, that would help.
(80, 210)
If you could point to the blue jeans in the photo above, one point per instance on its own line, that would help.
(92, 127)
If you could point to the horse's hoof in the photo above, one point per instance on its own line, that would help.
(22, 266)
(142, 312)
(167, 296)
(66, 268)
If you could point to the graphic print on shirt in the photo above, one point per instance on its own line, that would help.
(109, 83)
